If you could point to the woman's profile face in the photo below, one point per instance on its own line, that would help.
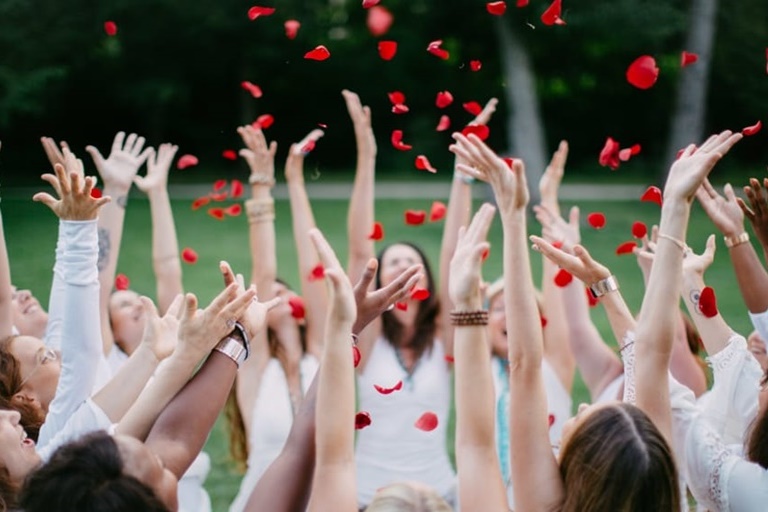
(39, 370)
(143, 464)
(17, 452)
(126, 314)
(397, 259)
(28, 316)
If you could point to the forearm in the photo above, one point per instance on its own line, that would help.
(714, 332)
(360, 216)
(165, 249)
(261, 225)
(119, 394)
(751, 277)
(619, 315)
(556, 336)
(6, 311)
(475, 412)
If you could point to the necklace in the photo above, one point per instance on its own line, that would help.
(408, 381)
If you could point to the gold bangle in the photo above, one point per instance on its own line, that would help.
(677, 242)
(733, 241)
(463, 318)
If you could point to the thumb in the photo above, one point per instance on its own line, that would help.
(711, 247)
(730, 195)
(149, 307)
(190, 303)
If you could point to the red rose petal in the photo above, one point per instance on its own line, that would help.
(510, 162)
(557, 244)
(222, 196)
(449, 359)
(609, 155)
(297, 307)
(635, 149)
(437, 212)
(216, 213)
(444, 123)
(751, 130)
(652, 195)
(387, 49)
(626, 248)
(229, 154)
(481, 130)
(415, 217)
(96, 193)
(639, 229)
(396, 97)
(708, 302)
(419, 294)
(122, 282)
(256, 11)
(522, 3)
(233, 210)
(377, 233)
(219, 184)
(400, 109)
(473, 108)
(189, 256)
(596, 220)
(367, 4)
(687, 59)
(291, 28)
(563, 278)
(379, 21)
(402, 306)
(397, 141)
(427, 422)
(475, 65)
(486, 253)
(320, 53)
(264, 121)
(236, 189)
(423, 164)
(317, 272)
(543, 321)
(434, 49)
(625, 154)
(200, 202)
(362, 420)
(643, 73)
(590, 299)
(552, 15)
(444, 98)
(496, 8)
(550, 420)
(110, 28)
(252, 88)
(186, 161)
(356, 355)
(387, 391)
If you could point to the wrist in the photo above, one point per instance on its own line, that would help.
(734, 239)
(116, 189)
(468, 304)
(146, 352)
(158, 192)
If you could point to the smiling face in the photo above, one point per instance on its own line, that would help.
(281, 313)
(28, 316)
(144, 465)
(17, 452)
(39, 370)
(397, 259)
(126, 315)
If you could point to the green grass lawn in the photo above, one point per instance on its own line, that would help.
(31, 235)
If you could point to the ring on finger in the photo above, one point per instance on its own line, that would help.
(231, 323)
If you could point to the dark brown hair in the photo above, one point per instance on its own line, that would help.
(32, 417)
(757, 442)
(617, 460)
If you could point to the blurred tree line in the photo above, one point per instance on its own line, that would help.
(173, 73)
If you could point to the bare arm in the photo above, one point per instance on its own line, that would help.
(6, 294)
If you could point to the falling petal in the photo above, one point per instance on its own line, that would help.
(297, 307)
(362, 420)
(367, 4)
(563, 278)
(643, 73)
(609, 155)
(708, 302)
(687, 59)
(481, 130)
(257, 11)
(264, 121)
(596, 220)
(422, 163)
(419, 294)
(216, 213)
(751, 130)
(434, 49)
(475, 65)
(229, 154)
(379, 20)
(186, 161)
(122, 282)
(96, 193)
(236, 189)
(320, 53)
(233, 210)
(444, 98)
(415, 217)
(473, 108)
(397, 141)
(552, 15)
(200, 202)
(377, 233)
(387, 49)
(626, 248)
(189, 256)
(496, 8)
(444, 123)
(356, 356)
(291, 28)
(252, 88)
(110, 28)
(652, 195)
(437, 212)
(396, 97)
(639, 229)
(400, 109)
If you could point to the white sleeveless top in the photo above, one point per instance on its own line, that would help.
(271, 421)
(392, 449)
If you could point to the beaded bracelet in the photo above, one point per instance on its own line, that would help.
(462, 318)
(261, 179)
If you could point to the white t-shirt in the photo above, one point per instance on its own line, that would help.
(87, 419)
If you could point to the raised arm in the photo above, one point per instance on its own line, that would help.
(334, 481)
(6, 292)
(480, 483)
(165, 246)
(533, 464)
(117, 173)
(312, 291)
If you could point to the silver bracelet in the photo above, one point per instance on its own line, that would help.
(600, 288)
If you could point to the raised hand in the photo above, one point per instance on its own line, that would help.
(124, 160)
(644, 252)
(74, 191)
(294, 169)
(485, 115)
(724, 211)
(556, 229)
(549, 184)
(758, 213)
(52, 151)
(158, 165)
(698, 263)
(341, 294)
(465, 277)
(361, 120)
(259, 155)
(254, 319)
(580, 263)
(161, 333)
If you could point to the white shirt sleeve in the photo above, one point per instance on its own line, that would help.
(760, 322)
(56, 300)
(87, 418)
(81, 346)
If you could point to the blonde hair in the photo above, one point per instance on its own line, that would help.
(404, 497)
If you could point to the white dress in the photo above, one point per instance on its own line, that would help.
(271, 421)
(392, 449)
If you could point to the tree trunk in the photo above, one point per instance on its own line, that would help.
(691, 107)
(525, 128)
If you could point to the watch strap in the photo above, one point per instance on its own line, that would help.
(232, 348)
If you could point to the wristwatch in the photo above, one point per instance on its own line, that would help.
(236, 345)
(600, 288)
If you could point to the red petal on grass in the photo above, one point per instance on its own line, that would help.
(297, 307)
(437, 212)
(96, 193)
(216, 213)
(397, 141)
(402, 306)
(317, 272)
(686, 59)
(319, 53)
(708, 302)
(444, 123)
(200, 202)
(434, 49)
(543, 321)
(229, 154)
(122, 282)
(189, 256)
(415, 217)
(387, 49)
(362, 420)
(236, 189)
(186, 161)
(639, 229)
(643, 73)
(563, 278)
(423, 164)
(751, 130)
(110, 28)
(596, 220)
(400, 109)
(444, 98)
(609, 155)
(475, 65)
(473, 108)
(252, 88)
(387, 391)
(522, 3)
(419, 294)
(233, 210)
(652, 195)
(219, 184)
(427, 422)
(481, 130)
(356, 356)
(367, 4)
(396, 97)
(379, 21)
(552, 15)
(449, 359)
(257, 11)
(264, 121)
(486, 253)
(590, 299)
(377, 233)
(496, 8)
(291, 28)
(625, 248)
